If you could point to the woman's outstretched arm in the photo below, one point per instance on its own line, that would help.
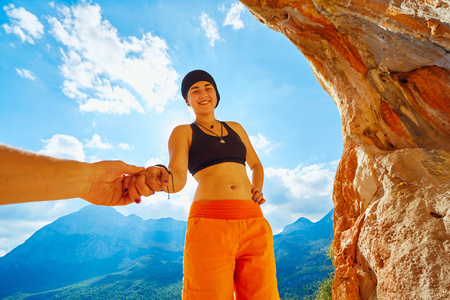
(158, 178)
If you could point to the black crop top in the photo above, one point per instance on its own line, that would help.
(206, 150)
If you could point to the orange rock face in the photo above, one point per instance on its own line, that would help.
(386, 64)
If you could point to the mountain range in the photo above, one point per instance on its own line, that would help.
(99, 253)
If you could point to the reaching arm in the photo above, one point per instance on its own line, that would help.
(179, 156)
(27, 177)
(156, 178)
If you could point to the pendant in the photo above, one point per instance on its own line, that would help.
(222, 141)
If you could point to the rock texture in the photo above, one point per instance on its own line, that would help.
(386, 64)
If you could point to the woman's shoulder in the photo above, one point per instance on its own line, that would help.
(232, 123)
(235, 126)
(181, 130)
(182, 127)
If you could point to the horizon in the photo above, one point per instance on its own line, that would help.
(99, 80)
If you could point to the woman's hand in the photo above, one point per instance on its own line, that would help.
(146, 183)
(257, 196)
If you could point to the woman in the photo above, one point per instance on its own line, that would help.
(229, 244)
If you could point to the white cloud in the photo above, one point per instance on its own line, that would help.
(25, 74)
(233, 17)
(305, 191)
(210, 27)
(63, 146)
(305, 182)
(124, 146)
(261, 144)
(23, 24)
(153, 161)
(94, 159)
(96, 142)
(22, 230)
(106, 72)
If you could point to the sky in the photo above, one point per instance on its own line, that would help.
(100, 80)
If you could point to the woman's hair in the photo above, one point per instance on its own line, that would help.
(195, 76)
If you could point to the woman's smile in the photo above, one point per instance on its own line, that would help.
(204, 102)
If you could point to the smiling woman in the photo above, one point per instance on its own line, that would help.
(201, 93)
(226, 232)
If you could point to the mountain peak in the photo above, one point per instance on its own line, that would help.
(97, 209)
(301, 224)
(89, 219)
(304, 223)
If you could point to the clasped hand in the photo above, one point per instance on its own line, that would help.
(145, 183)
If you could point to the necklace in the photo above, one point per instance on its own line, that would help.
(222, 141)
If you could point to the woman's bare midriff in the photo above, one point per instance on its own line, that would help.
(225, 181)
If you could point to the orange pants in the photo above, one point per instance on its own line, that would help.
(228, 252)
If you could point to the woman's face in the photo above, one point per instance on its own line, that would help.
(202, 97)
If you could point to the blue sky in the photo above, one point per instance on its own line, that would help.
(99, 80)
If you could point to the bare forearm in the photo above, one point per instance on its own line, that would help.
(26, 177)
(177, 180)
(258, 177)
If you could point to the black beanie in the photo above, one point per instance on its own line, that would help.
(195, 76)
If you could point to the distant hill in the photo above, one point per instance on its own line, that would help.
(300, 252)
(99, 253)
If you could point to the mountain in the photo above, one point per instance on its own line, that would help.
(92, 242)
(300, 224)
(99, 253)
(301, 256)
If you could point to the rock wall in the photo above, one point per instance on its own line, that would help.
(386, 64)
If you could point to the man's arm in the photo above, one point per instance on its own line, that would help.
(27, 177)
